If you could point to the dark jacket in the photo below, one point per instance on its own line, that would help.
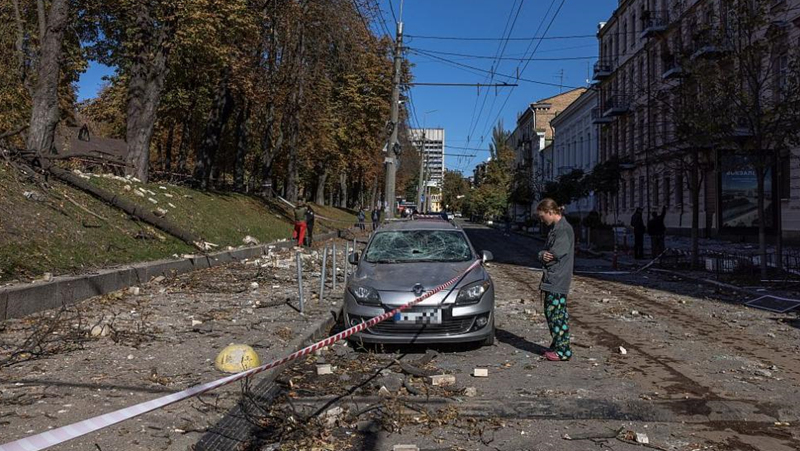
(656, 227)
(637, 222)
(376, 215)
(557, 276)
(310, 218)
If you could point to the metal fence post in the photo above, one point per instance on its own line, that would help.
(322, 273)
(333, 266)
(346, 265)
(300, 279)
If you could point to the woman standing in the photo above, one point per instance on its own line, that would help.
(557, 259)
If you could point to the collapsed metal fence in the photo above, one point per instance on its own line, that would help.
(726, 265)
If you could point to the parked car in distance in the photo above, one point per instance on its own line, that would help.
(405, 259)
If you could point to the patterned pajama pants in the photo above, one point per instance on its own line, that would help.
(555, 310)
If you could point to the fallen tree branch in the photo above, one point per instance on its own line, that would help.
(11, 133)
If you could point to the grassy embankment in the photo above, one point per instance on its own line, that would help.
(62, 230)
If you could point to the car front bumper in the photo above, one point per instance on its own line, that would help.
(459, 323)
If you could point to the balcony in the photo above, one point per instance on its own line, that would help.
(598, 118)
(672, 68)
(654, 23)
(616, 105)
(602, 70)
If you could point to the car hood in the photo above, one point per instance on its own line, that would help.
(403, 276)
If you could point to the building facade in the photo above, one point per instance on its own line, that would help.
(529, 139)
(575, 145)
(432, 143)
(644, 47)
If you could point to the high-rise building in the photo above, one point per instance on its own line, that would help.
(431, 141)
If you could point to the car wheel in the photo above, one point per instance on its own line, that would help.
(489, 341)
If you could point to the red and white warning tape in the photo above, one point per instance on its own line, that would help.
(81, 428)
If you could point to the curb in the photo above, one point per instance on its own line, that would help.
(24, 299)
(237, 427)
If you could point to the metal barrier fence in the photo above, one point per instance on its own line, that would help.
(725, 265)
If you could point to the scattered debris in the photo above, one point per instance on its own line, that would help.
(622, 350)
(47, 277)
(480, 372)
(250, 241)
(324, 369)
(152, 201)
(134, 291)
(405, 448)
(470, 392)
(442, 380)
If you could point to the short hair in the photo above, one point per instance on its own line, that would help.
(549, 206)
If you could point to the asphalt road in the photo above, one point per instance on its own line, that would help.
(699, 372)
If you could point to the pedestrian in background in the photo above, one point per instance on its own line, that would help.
(557, 259)
(361, 218)
(657, 231)
(310, 218)
(637, 222)
(299, 222)
(376, 218)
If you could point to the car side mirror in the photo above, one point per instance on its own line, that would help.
(353, 258)
(487, 256)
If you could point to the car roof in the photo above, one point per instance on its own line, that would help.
(417, 224)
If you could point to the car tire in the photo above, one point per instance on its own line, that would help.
(489, 341)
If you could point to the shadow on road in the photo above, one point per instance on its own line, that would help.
(518, 342)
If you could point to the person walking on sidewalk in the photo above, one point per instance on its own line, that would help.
(657, 231)
(376, 218)
(299, 222)
(310, 218)
(361, 218)
(637, 222)
(557, 259)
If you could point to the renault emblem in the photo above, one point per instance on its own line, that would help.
(418, 290)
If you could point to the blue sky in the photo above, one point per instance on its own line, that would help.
(457, 108)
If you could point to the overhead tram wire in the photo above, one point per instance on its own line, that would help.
(474, 69)
(488, 78)
(549, 25)
(495, 65)
(464, 38)
(506, 58)
(488, 125)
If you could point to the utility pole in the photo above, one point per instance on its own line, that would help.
(391, 149)
(421, 189)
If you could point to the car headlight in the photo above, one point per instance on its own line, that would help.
(365, 295)
(472, 293)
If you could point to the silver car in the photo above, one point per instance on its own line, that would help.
(405, 259)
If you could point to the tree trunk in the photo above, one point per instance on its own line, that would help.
(343, 190)
(695, 188)
(270, 147)
(146, 82)
(777, 204)
(168, 150)
(319, 198)
(44, 105)
(127, 206)
(212, 137)
(762, 227)
(374, 193)
(19, 45)
(241, 147)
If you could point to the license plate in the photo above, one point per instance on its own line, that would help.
(432, 316)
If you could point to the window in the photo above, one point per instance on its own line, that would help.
(623, 192)
(633, 193)
(655, 192)
(667, 188)
(786, 178)
(641, 192)
(632, 131)
(782, 75)
(625, 36)
(679, 188)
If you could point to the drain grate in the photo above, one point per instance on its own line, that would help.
(774, 304)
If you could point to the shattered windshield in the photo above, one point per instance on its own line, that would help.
(418, 246)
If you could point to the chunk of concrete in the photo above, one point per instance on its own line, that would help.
(442, 380)
(324, 369)
(405, 448)
(480, 372)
